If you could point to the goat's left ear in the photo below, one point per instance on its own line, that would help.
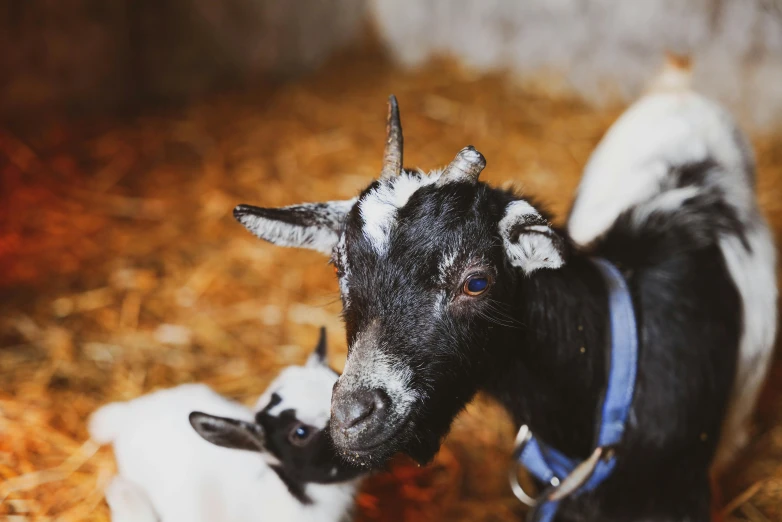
(529, 241)
(318, 356)
(228, 433)
(315, 226)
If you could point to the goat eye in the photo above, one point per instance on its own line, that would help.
(476, 285)
(300, 435)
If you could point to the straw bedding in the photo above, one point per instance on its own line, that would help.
(122, 271)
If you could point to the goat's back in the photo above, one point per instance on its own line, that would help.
(675, 164)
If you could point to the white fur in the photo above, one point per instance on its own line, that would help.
(633, 159)
(307, 389)
(128, 502)
(755, 277)
(665, 129)
(379, 207)
(369, 367)
(320, 237)
(531, 251)
(166, 467)
(344, 279)
(445, 266)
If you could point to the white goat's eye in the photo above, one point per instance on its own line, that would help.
(301, 434)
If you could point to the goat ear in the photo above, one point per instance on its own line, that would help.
(228, 433)
(318, 356)
(529, 241)
(315, 226)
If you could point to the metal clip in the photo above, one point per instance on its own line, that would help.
(577, 477)
(522, 438)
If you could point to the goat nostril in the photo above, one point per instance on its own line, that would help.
(357, 408)
(359, 411)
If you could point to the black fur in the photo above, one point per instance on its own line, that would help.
(314, 462)
(538, 343)
(320, 349)
(301, 460)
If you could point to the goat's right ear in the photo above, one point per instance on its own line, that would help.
(315, 226)
(228, 433)
(530, 243)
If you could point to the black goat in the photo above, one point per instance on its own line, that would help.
(450, 286)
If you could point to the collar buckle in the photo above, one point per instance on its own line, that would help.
(559, 488)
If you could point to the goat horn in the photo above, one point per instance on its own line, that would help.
(466, 166)
(392, 157)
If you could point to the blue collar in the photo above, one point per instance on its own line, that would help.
(568, 477)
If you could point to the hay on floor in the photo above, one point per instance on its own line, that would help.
(122, 270)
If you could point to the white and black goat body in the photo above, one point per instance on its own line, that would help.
(451, 286)
(169, 473)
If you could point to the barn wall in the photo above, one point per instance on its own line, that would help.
(103, 54)
(57, 51)
(602, 49)
(107, 53)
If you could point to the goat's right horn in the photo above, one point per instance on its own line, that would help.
(466, 166)
(392, 157)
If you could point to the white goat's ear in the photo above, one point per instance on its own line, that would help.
(315, 226)
(228, 433)
(318, 356)
(529, 241)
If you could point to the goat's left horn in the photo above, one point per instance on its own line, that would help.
(466, 166)
(392, 157)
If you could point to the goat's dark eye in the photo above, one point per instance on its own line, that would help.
(476, 285)
(301, 434)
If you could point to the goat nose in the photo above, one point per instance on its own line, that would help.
(356, 408)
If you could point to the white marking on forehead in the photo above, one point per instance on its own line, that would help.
(379, 207)
(446, 263)
(370, 368)
(307, 390)
(440, 302)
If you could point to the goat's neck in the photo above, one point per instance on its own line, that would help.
(555, 366)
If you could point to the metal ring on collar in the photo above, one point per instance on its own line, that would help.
(522, 438)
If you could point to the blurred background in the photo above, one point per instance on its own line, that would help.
(129, 129)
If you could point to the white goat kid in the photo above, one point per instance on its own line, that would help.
(171, 472)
